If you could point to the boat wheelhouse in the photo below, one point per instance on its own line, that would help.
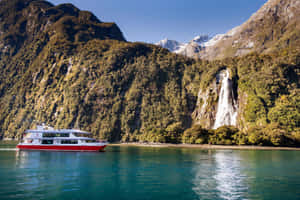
(47, 138)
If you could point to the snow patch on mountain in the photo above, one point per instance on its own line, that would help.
(172, 45)
(201, 40)
(188, 49)
(197, 44)
(214, 40)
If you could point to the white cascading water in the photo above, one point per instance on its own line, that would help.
(227, 106)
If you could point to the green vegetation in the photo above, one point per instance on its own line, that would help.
(8, 143)
(71, 70)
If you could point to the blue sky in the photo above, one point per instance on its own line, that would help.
(182, 20)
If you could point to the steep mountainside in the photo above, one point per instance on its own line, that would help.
(66, 68)
(273, 27)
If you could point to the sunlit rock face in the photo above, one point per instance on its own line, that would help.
(205, 111)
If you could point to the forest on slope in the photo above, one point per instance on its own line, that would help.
(64, 67)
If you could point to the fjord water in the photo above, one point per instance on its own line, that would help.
(150, 173)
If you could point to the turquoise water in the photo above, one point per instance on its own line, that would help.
(150, 173)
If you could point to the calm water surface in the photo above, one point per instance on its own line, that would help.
(150, 173)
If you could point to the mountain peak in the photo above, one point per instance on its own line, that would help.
(171, 45)
(188, 49)
(201, 39)
(271, 28)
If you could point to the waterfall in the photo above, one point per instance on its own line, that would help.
(227, 105)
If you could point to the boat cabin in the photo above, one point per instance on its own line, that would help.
(56, 137)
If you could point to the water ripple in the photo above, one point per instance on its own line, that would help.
(222, 173)
(230, 180)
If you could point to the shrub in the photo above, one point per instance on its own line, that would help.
(195, 135)
(223, 135)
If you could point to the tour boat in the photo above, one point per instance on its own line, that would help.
(47, 138)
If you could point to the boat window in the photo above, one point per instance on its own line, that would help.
(79, 134)
(56, 135)
(49, 135)
(47, 142)
(63, 135)
(69, 142)
(90, 141)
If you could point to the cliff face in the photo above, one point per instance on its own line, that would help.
(66, 68)
(273, 27)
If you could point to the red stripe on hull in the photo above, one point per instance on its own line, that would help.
(61, 148)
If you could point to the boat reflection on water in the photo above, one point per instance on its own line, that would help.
(40, 159)
(49, 171)
(220, 170)
(21, 158)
